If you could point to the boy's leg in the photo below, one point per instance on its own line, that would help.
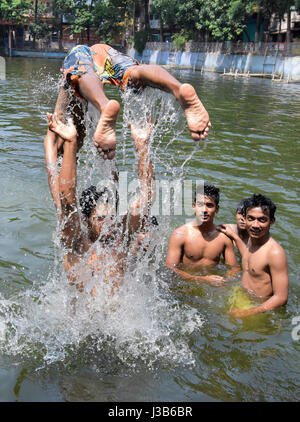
(91, 88)
(157, 77)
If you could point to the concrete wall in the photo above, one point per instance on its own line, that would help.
(38, 54)
(289, 67)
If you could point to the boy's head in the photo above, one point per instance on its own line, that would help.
(207, 190)
(260, 215)
(98, 204)
(240, 214)
(206, 202)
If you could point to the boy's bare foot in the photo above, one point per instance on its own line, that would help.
(195, 113)
(105, 134)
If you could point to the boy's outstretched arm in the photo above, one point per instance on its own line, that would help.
(50, 147)
(69, 216)
(230, 259)
(140, 208)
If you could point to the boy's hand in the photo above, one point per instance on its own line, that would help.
(215, 279)
(67, 132)
(226, 230)
(240, 313)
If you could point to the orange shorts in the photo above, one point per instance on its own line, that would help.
(110, 65)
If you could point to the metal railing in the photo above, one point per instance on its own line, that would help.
(228, 47)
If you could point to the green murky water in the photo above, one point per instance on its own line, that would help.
(186, 348)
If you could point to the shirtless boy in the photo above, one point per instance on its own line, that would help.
(265, 268)
(237, 232)
(96, 249)
(198, 243)
(87, 69)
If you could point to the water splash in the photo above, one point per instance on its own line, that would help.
(142, 322)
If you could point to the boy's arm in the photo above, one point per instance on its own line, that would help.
(173, 259)
(230, 258)
(69, 216)
(140, 208)
(280, 282)
(50, 147)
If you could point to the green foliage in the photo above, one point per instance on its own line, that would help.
(179, 40)
(140, 39)
(188, 19)
(15, 11)
(219, 19)
(39, 29)
(167, 10)
(110, 17)
(79, 13)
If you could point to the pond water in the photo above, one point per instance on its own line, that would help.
(169, 340)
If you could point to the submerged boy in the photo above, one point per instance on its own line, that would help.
(198, 243)
(96, 241)
(265, 268)
(87, 69)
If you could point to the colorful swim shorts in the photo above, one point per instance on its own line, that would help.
(239, 298)
(110, 65)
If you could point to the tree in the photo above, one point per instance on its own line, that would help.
(221, 19)
(15, 11)
(82, 17)
(38, 28)
(110, 17)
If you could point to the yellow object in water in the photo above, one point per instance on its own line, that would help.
(239, 298)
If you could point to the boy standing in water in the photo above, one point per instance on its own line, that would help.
(237, 232)
(87, 69)
(265, 268)
(199, 243)
(97, 244)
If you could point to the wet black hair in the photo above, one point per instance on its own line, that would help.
(241, 206)
(258, 200)
(209, 190)
(90, 196)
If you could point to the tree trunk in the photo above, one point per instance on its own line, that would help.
(161, 37)
(36, 3)
(147, 21)
(247, 35)
(288, 27)
(133, 19)
(257, 31)
(9, 42)
(60, 33)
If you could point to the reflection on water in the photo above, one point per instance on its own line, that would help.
(167, 339)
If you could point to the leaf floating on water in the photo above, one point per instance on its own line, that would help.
(14, 219)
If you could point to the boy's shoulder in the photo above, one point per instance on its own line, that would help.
(275, 250)
(221, 237)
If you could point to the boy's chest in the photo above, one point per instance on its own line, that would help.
(197, 248)
(255, 264)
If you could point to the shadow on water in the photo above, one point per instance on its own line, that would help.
(167, 339)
